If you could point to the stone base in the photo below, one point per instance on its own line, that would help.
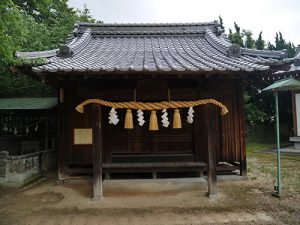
(98, 198)
(296, 141)
(18, 171)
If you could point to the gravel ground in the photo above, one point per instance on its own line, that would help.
(167, 201)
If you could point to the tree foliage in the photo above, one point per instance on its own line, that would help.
(260, 43)
(254, 114)
(249, 41)
(221, 24)
(260, 108)
(281, 44)
(33, 25)
(237, 36)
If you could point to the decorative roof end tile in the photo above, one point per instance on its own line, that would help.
(284, 53)
(234, 51)
(297, 62)
(297, 54)
(64, 51)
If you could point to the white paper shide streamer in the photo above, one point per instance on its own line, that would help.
(165, 121)
(190, 117)
(113, 117)
(15, 131)
(140, 117)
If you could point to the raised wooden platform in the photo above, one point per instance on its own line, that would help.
(121, 167)
(150, 167)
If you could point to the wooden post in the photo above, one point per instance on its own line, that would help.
(97, 152)
(200, 137)
(243, 162)
(60, 120)
(46, 130)
(154, 174)
(293, 93)
(211, 147)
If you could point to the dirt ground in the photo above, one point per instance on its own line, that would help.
(154, 202)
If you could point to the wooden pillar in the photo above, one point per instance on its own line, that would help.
(243, 162)
(60, 121)
(46, 131)
(211, 148)
(293, 93)
(200, 137)
(97, 152)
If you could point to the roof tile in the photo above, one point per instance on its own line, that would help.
(153, 47)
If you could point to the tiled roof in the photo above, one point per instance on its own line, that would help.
(153, 47)
(292, 69)
(27, 103)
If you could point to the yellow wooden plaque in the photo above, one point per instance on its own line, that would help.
(83, 136)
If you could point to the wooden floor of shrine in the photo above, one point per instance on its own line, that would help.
(154, 170)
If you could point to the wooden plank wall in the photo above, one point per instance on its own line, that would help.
(231, 136)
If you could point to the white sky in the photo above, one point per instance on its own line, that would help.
(270, 16)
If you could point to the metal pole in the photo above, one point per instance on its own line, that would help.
(278, 143)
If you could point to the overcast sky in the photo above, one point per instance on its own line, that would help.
(270, 16)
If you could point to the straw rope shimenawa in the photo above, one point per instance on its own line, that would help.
(152, 105)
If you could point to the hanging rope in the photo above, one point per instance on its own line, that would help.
(152, 105)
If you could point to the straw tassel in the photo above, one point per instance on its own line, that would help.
(153, 124)
(128, 120)
(176, 120)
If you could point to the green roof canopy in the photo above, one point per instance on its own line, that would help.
(27, 103)
(283, 85)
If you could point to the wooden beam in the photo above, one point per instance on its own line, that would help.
(97, 152)
(211, 148)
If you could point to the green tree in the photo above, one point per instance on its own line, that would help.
(258, 110)
(39, 10)
(271, 46)
(84, 15)
(237, 28)
(281, 44)
(279, 41)
(32, 25)
(236, 37)
(221, 24)
(260, 43)
(291, 49)
(12, 32)
(249, 41)
(28, 26)
(254, 114)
